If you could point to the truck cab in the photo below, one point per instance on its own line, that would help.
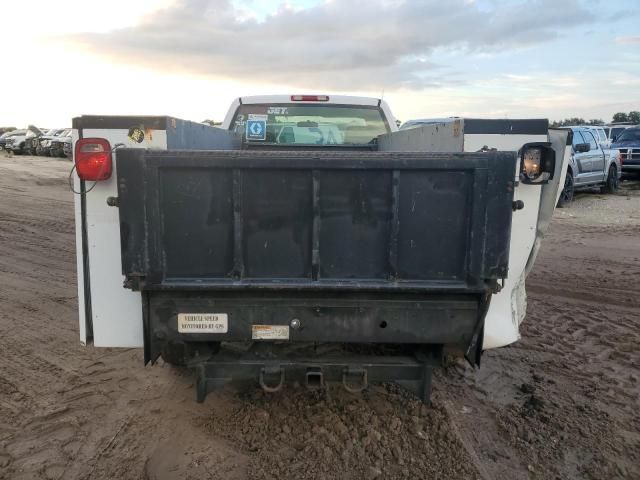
(310, 120)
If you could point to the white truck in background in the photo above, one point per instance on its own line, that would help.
(306, 220)
(591, 165)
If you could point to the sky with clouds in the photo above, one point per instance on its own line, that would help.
(429, 58)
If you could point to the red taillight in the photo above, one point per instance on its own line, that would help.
(309, 98)
(93, 159)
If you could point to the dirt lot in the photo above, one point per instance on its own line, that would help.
(563, 403)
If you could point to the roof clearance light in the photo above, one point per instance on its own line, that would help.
(309, 98)
(93, 159)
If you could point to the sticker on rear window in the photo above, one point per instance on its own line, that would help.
(278, 110)
(256, 127)
(203, 323)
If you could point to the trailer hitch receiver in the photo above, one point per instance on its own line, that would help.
(314, 378)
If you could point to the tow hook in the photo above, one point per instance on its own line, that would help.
(271, 372)
(113, 201)
(354, 372)
(517, 205)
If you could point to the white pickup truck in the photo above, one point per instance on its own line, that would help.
(307, 220)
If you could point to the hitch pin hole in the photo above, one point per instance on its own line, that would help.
(383, 324)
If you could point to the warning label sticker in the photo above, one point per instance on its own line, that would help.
(270, 332)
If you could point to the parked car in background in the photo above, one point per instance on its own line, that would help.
(22, 141)
(29, 147)
(627, 143)
(32, 141)
(58, 142)
(590, 166)
(15, 142)
(4, 137)
(44, 144)
(67, 148)
(614, 129)
(600, 134)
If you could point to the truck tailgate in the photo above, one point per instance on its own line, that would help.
(365, 221)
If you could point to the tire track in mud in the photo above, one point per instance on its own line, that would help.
(604, 353)
(562, 402)
(620, 298)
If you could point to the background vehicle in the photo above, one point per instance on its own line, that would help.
(590, 165)
(44, 142)
(58, 142)
(15, 141)
(67, 147)
(32, 140)
(628, 144)
(4, 137)
(614, 129)
(67, 141)
(22, 141)
(601, 135)
(303, 222)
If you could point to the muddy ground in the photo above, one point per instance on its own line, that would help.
(562, 403)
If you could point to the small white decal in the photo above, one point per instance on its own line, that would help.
(278, 110)
(203, 323)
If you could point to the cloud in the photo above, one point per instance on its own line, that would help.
(628, 40)
(344, 45)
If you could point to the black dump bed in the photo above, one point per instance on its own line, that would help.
(345, 247)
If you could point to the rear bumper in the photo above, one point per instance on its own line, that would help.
(416, 319)
(353, 338)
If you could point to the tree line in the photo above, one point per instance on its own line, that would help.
(633, 117)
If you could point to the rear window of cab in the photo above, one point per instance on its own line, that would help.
(310, 124)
